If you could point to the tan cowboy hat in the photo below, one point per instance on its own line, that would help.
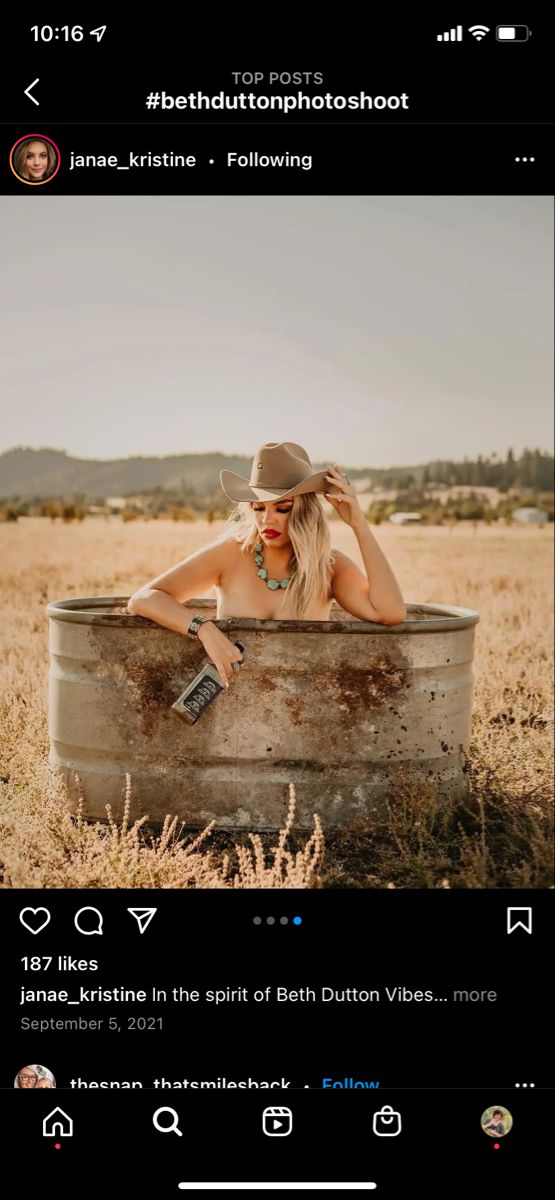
(279, 470)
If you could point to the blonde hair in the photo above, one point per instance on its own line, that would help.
(308, 531)
(20, 157)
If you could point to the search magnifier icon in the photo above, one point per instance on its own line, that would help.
(173, 1128)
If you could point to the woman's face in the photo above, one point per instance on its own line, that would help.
(27, 1078)
(44, 1083)
(272, 520)
(36, 159)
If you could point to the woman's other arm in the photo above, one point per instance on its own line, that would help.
(374, 597)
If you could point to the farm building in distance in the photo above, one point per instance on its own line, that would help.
(530, 516)
(405, 518)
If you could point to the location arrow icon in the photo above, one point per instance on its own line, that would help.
(143, 916)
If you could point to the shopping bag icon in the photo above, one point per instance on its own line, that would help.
(386, 1122)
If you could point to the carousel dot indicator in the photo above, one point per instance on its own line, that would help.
(270, 920)
(257, 920)
(284, 920)
(297, 920)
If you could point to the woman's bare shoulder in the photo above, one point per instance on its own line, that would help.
(338, 559)
(196, 573)
(230, 551)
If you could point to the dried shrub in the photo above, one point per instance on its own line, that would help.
(65, 850)
(286, 869)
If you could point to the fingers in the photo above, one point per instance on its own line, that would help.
(223, 655)
(338, 474)
(225, 668)
(222, 674)
(341, 481)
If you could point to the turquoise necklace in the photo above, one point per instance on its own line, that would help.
(273, 584)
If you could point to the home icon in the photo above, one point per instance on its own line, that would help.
(57, 1124)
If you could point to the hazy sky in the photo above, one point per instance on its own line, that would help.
(372, 330)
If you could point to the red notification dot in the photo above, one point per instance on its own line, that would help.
(57, 1146)
(496, 1146)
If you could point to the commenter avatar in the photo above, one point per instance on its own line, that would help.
(34, 1076)
(35, 159)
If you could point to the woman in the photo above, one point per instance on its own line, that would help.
(274, 559)
(35, 1076)
(34, 160)
(27, 1078)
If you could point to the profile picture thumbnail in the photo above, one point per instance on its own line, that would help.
(35, 159)
(34, 1076)
(496, 1122)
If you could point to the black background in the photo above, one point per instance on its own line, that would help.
(439, 1063)
(473, 106)
(442, 940)
(473, 109)
(350, 160)
(380, 53)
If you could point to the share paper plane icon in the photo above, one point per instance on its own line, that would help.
(143, 916)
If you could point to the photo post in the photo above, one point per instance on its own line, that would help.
(391, 707)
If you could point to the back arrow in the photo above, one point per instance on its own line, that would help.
(28, 91)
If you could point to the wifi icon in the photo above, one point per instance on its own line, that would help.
(478, 31)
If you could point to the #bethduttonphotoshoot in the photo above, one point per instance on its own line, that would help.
(276, 518)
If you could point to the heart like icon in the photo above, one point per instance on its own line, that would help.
(33, 920)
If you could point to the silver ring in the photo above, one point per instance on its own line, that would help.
(236, 666)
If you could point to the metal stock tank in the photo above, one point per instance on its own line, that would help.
(335, 707)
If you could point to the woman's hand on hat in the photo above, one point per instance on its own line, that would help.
(345, 501)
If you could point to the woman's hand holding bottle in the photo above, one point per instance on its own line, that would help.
(220, 650)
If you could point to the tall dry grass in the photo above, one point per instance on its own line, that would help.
(499, 837)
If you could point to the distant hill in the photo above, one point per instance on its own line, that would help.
(36, 474)
(46, 472)
(54, 473)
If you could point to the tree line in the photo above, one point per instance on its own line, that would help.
(531, 471)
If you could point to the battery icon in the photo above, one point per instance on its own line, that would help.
(512, 33)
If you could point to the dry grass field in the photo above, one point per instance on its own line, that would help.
(498, 837)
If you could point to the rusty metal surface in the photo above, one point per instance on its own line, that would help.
(111, 610)
(335, 707)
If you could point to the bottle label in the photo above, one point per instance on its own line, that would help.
(200, 696)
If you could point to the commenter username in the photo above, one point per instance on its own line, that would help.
(253, 158)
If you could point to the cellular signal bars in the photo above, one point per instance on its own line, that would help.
(451, 35)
